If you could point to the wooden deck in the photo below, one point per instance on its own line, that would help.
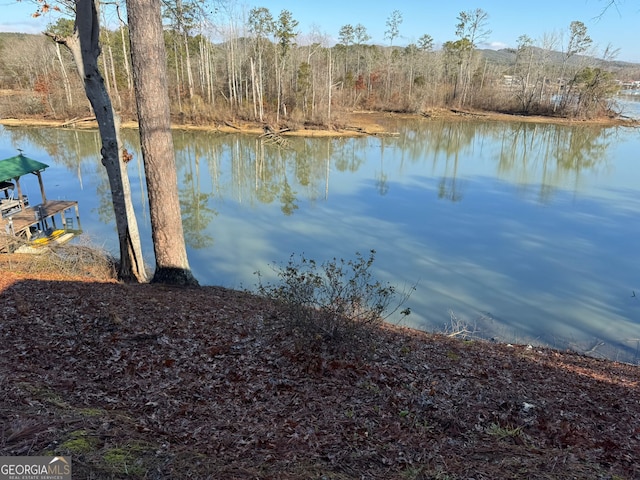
(42, 217)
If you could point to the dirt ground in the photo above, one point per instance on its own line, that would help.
(154, 382)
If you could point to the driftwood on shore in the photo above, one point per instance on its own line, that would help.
(77, 120)
(230, 125)
(367, 132)
(275, 136)
(467, 114)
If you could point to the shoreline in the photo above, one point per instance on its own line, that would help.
(351, 124)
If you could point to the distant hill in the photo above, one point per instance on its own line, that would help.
(504, 58)
(622, 70)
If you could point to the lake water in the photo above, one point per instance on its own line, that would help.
(629, 103)
(526, 233)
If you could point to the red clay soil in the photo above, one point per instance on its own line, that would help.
(150, 382)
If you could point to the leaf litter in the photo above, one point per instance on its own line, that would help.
(207, 383)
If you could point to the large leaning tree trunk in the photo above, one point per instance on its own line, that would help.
(85, 48)
(152, 98)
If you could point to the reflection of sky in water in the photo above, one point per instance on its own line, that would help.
(526, 253)
(630, 104)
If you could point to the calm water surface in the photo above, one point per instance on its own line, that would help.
(527, 233)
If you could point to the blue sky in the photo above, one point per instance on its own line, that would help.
(617, 26)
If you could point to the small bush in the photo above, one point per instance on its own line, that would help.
(336, 303)
(34, 105)
(73, 259)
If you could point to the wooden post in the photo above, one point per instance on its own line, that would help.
(44, 197)
(20, 199)
(78, 217)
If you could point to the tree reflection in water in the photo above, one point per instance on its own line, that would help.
(501, 221)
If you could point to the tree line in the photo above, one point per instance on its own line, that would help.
(258, 66)
(259, 72)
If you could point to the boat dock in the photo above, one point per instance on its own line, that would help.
(42, 218)
(22, 222)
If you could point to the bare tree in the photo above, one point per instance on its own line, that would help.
(261, 72)
(361, 37)
(152, 97)
(65, 77)
(391, 33)
(522, 84)
(578, 43)
(183, 16)
(346, 37)
(261, 25)
(393, 26)
(84, 46)
(472, 27)
(284, 31)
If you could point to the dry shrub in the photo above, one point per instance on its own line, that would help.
(73, 260)
(336, 304)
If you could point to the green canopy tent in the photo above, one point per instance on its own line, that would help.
(15, 167)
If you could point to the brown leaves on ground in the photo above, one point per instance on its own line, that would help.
(142, 381)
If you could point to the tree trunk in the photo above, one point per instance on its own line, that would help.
(152, 97)
(85, 49)
(65, 77)
(329, 82)
(125, 54)
(178, 80)
(254, 88)
(114, 80)
(187, 55)
(105, 69)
